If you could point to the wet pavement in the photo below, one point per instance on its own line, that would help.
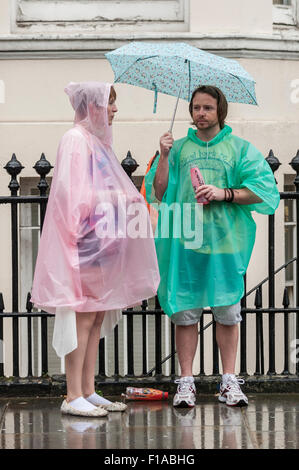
(269, 422)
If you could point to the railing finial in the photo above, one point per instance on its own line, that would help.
(129, 164)
(258, 298)
(29, 304)
(43, 167)
(273, 161)
(1, 303)
(13, 168)
(285, 300)
(295, 165)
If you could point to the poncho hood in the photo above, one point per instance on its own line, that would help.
(226, 131)
(90, 102)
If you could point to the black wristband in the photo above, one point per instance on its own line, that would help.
(229, 195)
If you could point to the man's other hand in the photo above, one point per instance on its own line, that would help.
(210, 192)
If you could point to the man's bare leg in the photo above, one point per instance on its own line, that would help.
(186, 343)
(227, 337)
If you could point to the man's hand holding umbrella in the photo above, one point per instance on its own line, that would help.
(161, 179)
(166, 142)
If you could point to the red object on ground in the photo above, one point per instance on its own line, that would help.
(133, 393)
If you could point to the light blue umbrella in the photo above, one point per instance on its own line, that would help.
(177, 69)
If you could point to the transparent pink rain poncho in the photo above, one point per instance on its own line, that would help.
(97, 251)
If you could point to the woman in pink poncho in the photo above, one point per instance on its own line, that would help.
(96, 256)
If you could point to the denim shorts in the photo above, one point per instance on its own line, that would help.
(227, 315)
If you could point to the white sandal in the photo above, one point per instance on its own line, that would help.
(99, 411)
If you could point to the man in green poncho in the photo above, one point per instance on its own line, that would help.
(204, 249)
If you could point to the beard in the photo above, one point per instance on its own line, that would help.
(206, 125)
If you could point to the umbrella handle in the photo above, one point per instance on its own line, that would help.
(175, 109)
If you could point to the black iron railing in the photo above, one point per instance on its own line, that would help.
(43, 167)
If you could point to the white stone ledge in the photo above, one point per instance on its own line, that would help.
(153, 121)
(282, 44)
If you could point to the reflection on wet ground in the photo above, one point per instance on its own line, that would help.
(269, 422)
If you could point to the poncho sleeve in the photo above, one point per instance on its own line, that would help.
(72, 187)
(255, 174)
(172, 178)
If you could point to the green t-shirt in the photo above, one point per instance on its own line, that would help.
(204, 250)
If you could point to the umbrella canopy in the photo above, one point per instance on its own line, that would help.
(177, 69)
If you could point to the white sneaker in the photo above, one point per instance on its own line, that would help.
(231, 393)
(185, 396)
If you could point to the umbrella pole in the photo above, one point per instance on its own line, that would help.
(175, 109)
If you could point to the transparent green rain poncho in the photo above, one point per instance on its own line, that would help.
(204, 250)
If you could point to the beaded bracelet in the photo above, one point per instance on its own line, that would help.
(229, 195)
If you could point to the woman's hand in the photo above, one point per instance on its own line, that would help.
(210, 192)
